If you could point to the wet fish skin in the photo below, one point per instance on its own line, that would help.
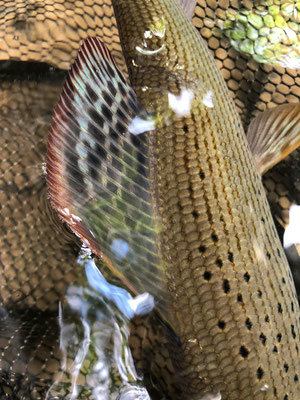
(235, 308)
(38, 53)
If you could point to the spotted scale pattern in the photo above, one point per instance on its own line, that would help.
(228, 276)
(275, 85)
(51, 31)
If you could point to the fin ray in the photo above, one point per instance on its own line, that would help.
(188, 7)
(98, 172)
(274, 134)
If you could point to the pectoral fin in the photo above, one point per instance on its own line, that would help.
(274, 134)
(98, 169)
(188, 7)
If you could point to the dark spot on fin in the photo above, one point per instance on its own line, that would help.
(91, 93)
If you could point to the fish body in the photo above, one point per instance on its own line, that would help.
(220, 276)
(233, 299)
(61, 263)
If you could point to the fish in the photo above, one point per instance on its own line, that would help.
(280, 186)
(157, 178)
(39, 33)
(38, 256)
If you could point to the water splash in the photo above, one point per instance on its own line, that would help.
(96, 359)
(128, 306)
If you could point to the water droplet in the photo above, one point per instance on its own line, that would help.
(264, 388)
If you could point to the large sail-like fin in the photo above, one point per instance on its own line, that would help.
(98, 170)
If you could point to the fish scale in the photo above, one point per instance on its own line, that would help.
(253, 86)
(235, 288)
(25, 54)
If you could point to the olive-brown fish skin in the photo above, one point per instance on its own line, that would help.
(205, 11)
(233, 298)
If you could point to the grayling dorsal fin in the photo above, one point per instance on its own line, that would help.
(188, 7)
(274, 134)
(98, 170)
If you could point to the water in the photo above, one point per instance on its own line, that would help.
(94, 329)
(43, 295)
